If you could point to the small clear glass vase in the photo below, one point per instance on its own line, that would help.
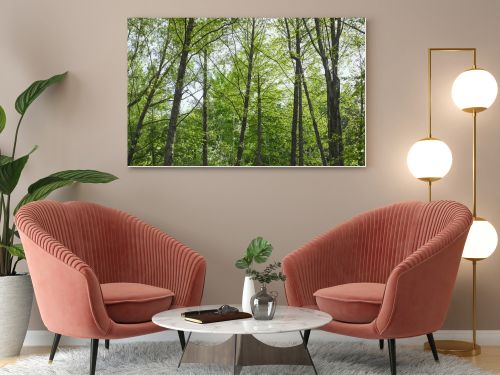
(263, 304)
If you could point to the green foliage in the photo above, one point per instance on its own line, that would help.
(11, 170)
(43, 187)
(154, 48)
(259, 250)
(34, 91)
(269, 274)
(3, 119)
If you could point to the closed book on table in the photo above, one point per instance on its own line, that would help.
(212, 317)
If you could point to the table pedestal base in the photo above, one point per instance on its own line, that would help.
(246, 350)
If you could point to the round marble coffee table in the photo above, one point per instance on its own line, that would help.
(242, 348)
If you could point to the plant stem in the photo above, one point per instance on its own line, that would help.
(3, 251)
(13, 271)
(5, 235)
(15, 137)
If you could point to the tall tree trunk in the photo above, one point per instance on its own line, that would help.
(301, 127)
(329, 88)
(205, 107)
(138, 129)
(361, 102)
(297, 90)
(361, 111)
(335, 149)
(298, 61)
(246, 100)
(296, 93)
(152, 141)
(152, 87)
(179, 87)
(335, 32)
(258, 154)
(298, 78)
(293, 128)
(313, 117)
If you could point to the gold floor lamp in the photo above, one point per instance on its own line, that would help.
(430, 159)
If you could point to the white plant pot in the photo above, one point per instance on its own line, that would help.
(16, 298)
(248, 292)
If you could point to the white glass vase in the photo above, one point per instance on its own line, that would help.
(248, 292)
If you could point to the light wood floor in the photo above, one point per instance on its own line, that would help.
(488, 360)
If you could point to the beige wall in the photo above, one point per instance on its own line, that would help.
(82, 124)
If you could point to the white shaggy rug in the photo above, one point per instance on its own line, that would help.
(162, 358)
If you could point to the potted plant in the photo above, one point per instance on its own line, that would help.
(16, 291)
(258, 251)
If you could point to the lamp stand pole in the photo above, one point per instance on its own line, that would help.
(474, 307)
(474, 214)
(476, 349)
(456, 347)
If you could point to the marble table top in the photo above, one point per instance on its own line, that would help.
(286, 319)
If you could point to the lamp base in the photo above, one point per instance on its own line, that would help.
(456, 348)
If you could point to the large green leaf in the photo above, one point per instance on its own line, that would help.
(242, 263)
(43, 187)
(10, 172)
(259, 250)
(29, 95)
(86, 176)
(3, 119)
(42, 193)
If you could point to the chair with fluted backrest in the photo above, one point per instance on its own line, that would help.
(99, 273)
(385, 274)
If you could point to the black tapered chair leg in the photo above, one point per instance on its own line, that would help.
(392, 355)
(106, 344)
(307, 333)
(55, 344)
(381, 344)
(432, 344)
(94, 346)
(182, 339)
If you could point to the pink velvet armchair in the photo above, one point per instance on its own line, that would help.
(99, 273)
(385, 274)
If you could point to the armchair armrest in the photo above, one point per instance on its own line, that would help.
(419, 289)
(68, 292)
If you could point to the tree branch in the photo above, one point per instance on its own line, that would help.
(353, 27)
(310, 36)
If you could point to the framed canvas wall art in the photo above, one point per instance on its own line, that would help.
(253, 92)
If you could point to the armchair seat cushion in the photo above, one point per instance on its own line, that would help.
(135, 303)
(351, 303)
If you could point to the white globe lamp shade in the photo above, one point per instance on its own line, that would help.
(429, 159)
(474, 90)
(481, 241)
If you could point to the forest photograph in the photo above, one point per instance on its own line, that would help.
(250, 92)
